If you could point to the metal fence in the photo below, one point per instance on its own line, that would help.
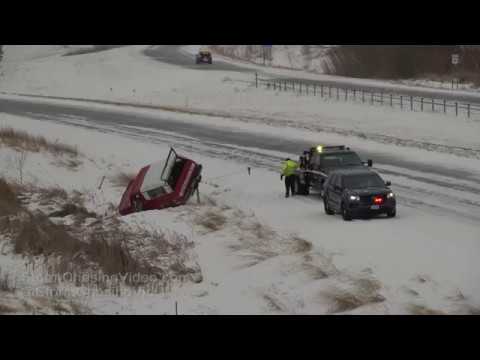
(372, 97)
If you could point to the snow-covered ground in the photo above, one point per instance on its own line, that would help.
(245, 268)
(126, 75)
(269, 254)
(315, 60)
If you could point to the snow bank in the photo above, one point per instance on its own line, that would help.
(418, 258)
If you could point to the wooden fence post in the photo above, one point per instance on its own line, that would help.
(363, 96)
(456, 108)
(346, 94)
(391, 100)
(433, 105)
(444, 106)
(338, 94)
(421, 104)
(256, 80)
(401, 101)
(314, 89)
(411, 102)
(468, 110)
(321, 90)
(330, 91)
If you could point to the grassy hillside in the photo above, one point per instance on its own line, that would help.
(405, 62)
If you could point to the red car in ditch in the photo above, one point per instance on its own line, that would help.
(162, 185)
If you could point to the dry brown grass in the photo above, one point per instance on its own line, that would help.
(403, 62)
(53, 193)
(365, 291)
(105, 251)
(6, 283)
(212, 220)
(273, 303)
(79, 211)
(102, 248)
(24, 141)
(416, 309)
(8, 199)
(301, 245)
(5, 309)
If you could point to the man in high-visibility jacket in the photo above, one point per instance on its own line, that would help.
(288, 171)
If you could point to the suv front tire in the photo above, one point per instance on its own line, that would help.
(346, 215)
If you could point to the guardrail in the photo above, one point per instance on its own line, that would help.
(367, 96)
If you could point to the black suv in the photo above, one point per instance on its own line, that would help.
(317, 162)
(357, 192)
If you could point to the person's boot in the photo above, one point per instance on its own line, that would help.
(287, 195)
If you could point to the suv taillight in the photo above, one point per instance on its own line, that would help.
(377, 200)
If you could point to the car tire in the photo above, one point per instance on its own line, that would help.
(392, 213)
(328, 211)
(346, 215)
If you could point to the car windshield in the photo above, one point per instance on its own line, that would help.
(341, 159)
(362, 181)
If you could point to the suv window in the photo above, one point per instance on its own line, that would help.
(340, 159)
(363, 181)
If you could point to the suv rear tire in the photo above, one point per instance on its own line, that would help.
(392, 213)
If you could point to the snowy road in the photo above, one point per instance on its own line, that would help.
(419, 184)
(172, 54)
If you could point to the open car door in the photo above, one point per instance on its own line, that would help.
(168, 174)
